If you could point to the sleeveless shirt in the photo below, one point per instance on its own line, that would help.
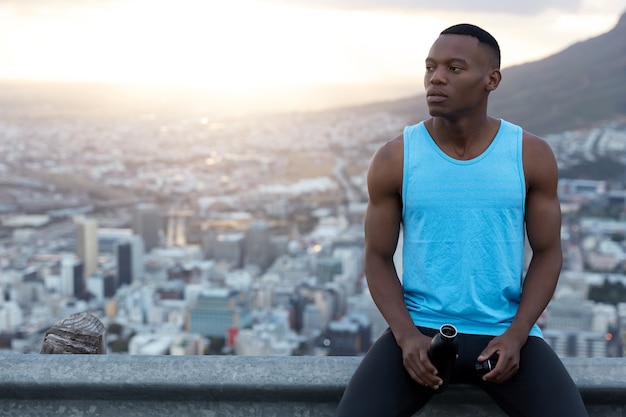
(463, 233)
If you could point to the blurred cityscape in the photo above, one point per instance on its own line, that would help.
(206, 235)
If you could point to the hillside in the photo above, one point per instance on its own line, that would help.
(576, 88)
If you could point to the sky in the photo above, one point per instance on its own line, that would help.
(246, 47)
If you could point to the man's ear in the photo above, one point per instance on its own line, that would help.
(494, 78)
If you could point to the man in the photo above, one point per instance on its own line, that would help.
(465, 188)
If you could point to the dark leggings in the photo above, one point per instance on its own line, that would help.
(381, 387)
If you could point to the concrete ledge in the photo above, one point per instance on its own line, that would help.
(229, 386)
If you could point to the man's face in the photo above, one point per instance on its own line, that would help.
(458, 75)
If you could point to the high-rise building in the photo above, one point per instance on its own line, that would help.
(226, 246)
(298, 304)
(95, 286)
(108, 238)
(327, 268)
(72, 276)
(147, 223)
(351, 267)
(123, 262)
(101, 286)
(87, 244)
(258, 248)
(312, 320)
(109, 286)
(177, 227)
(216, 311)
(129, 260)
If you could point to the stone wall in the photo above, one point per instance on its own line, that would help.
(236, 386)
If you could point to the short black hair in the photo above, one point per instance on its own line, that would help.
(484, 38)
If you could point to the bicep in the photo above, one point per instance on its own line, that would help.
(382, 226)
(384, 210)
(543, 221)
(543, 210)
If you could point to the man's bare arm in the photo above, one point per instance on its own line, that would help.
(382, 227)
(543, 226)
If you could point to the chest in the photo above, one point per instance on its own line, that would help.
(432, 181)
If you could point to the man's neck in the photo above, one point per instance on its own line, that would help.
(463, 139)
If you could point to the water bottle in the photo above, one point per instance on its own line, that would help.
(442, 353)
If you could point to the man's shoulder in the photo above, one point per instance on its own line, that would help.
(540, 163)
(387, 161)
(535, 142)
(391, 149)
(530, 139)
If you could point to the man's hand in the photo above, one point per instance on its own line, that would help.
(416, 361)
(508, 347)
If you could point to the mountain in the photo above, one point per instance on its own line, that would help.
(576, 88)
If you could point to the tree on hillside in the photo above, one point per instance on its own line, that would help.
(600, 169)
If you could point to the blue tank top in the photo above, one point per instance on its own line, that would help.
(463, 225)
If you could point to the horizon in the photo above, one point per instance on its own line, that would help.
(270, 55)
(70, 96)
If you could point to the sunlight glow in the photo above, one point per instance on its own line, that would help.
(247, 47)
(232, 46)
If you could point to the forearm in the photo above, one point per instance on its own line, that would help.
(539, 285)
(386, 291)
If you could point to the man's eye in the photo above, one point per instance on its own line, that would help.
(455, 69)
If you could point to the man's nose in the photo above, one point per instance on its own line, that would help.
(437, 77)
